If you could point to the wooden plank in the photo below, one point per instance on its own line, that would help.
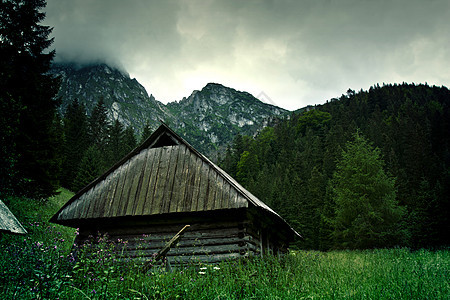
(137, 182)
(169, 186)
(83, 207)
(148, 205)
(115, 209)
(99, 200)
(197, 183)
(218, 249)
(226, 195)
(141, 198)
(189, 200)
(194, 236)
(125, 197)
(212, 189)
(178, 193)
(203, 193)
(114, 177)
(219, 192)
(161, 180)
(69, 211)
(76, 212)
(145, 244)
(182, 180)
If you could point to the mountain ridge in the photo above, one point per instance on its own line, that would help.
(208, 118)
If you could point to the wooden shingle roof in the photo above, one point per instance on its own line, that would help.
(8, 222)
(164, 175)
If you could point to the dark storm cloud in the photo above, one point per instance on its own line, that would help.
(296, 52)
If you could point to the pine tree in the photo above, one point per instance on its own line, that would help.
(89, 169)
(129, 140)
(146, 132)
(27, 94)
(247, 168)
(367, 214)
(99, 125)
(75, 142)
(114, 150)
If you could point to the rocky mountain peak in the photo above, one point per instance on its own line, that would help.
(209, 119)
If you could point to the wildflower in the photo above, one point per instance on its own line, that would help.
(202, 273)
(216, 268)
(203, 268)
(94, 292)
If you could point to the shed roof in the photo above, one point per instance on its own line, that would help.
(8, 221)
(163, 175)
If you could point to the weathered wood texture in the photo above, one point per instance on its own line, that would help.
(157, 181)
(142, 199)
(207, 242)
(8, 222)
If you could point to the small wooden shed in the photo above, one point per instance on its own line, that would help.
(8, 222)
(165, 184)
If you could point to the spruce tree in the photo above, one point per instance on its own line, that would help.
(367, 214)
(75, 142)
(99, 125)
(146, 132)
(129, 141)
(89, 169)
(114, 147)
(27, 94)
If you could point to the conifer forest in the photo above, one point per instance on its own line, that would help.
(369, 169)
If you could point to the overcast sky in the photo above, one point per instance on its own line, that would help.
(295, 53)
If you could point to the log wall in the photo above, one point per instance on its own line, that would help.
(202, 242)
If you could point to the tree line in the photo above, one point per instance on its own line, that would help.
(370, 169)
(39, 149)
(91, 144)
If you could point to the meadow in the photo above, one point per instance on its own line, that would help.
(41, 265)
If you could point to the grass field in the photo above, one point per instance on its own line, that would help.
(40, 266)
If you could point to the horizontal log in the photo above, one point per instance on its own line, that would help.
(189, 251)
(188, 234)
(159, 229)
(188, 243)
(209, 258)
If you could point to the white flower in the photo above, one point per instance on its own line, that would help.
(203, 268)
(216, 268)
(202, 273)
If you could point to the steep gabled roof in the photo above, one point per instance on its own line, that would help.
(163, 175)
(8, 221)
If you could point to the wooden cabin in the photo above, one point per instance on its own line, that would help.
(164, 184)
(8, 222)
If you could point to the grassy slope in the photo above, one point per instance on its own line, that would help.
(35, 215)
(39, 266)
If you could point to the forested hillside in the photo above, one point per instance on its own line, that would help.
(370, 169)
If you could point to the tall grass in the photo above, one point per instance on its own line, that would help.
(41, 266)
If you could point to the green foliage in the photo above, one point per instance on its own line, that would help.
(246, 167)
(99, 125)
(146, 132)
(314, 119)
(36, 271)
(75, 142)
(129, 140)
(29, 163)
(42, 265)
(367, 214)
(114, 143)
(297, 157)
(89, 169)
